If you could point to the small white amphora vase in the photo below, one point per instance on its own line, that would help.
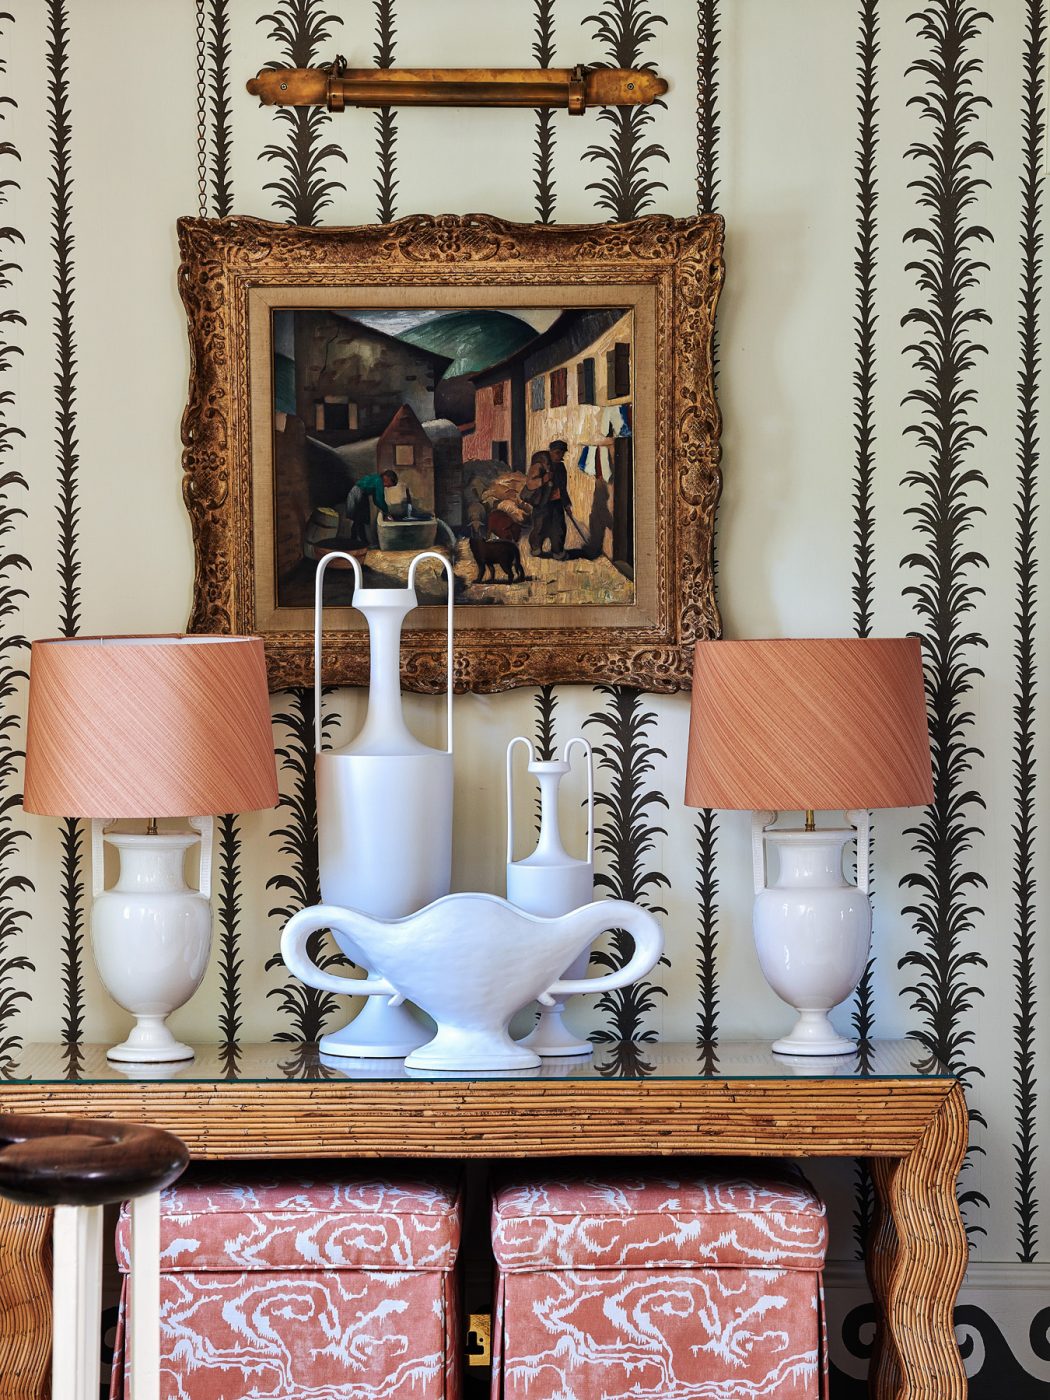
(384, 806)
(550, 882)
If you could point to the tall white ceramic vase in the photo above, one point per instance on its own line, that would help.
(384, 806)
(812, 927)
(550, 882)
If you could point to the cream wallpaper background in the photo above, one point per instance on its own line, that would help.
(807, 123)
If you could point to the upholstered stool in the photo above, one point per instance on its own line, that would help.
(340, 1285)
(658, 1282)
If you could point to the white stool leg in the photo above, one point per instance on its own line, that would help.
(77, 1297)
(145, 1298)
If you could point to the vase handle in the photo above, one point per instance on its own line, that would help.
(601, 916)
(518, 739)
(760, 822)
(98, 855)
(446, 565)
(318, 614)
(566, 754)
(298, 961)
(206, 827)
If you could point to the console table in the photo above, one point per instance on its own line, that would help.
(891, 1104)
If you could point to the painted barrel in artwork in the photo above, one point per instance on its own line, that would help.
(321, 529)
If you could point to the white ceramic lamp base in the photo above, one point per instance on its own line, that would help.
(812, 929)
(151, 934)
(380, 1031)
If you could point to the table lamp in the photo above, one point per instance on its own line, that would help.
(799, 725)
(133, 727)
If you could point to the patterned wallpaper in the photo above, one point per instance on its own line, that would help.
(881, 167)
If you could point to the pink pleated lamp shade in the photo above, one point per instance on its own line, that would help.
(828, 724)
(148, 727)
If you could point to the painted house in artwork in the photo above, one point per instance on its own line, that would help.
(405, 448)
(491, 436)
(574, 382)
(350, 379)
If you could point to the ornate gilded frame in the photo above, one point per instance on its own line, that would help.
(673, 266)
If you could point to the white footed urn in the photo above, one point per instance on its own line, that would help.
(151, 933)
(471, 961)
(812, 929)
(384, 806)
(550, 881)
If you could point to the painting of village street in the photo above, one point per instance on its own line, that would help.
(501, 437)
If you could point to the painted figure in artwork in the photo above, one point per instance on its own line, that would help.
(365, 492)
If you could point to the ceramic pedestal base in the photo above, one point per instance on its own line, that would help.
(378, 1032)
(453, 1049)
(149, 1043)
(813, 1034)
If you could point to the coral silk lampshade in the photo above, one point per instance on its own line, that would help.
(820, 723)
(148, 727)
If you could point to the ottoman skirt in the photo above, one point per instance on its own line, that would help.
(635, 1283)
(341, 1287)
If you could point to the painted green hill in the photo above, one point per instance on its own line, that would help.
(473, 340)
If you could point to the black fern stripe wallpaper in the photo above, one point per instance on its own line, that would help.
(880, 348)
(707, 821)
(1025, 885)
(947, 322)
(15, 885)
(67, 455)
(386, 124)
(865, 250)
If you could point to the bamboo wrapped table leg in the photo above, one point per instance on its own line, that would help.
(916, 1261)
(25, 1301)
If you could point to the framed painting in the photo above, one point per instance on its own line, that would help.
(535, 402)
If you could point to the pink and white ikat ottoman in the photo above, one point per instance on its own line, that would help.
(658, 1282)
(337, 1287)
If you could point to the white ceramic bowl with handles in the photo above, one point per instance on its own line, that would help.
(471, 961)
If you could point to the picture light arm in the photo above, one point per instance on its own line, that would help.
(336, 87)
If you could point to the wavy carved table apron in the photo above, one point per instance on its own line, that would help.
(893, 1106)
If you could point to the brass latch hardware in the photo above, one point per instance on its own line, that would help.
(479, 1339)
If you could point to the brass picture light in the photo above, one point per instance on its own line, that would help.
(336, 86)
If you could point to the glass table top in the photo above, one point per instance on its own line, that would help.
(274, 1062)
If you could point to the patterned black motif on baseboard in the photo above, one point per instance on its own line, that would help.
(992, 1370)
(386, 126)
(1025, 668)
(951, 162)
(13, 566)
(624, 837)
(624, 29)
(303, 32)
(60, 135)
